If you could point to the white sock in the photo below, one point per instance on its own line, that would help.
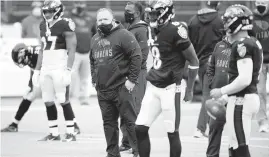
(53, 127)
(16, 121)
(70, 127)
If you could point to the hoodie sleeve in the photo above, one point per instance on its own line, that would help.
(210, 72)
(131, 47)
(142, 38)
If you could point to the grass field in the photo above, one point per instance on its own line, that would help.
(91, 142)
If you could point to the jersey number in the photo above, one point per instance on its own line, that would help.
(51, 39)
(156, 57)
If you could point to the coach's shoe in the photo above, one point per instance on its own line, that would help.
(124, 148)
(199, 134)
(11, 128)
(264, 128)
(77, 129)
(50, 137)
(69, 138)
(136, 154)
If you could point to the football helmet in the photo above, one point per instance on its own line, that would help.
(20, 55)
(160, 12)
(216, 108)
(237, 17)
(52, 10)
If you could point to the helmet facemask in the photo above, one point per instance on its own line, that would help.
(160, 16)
(54, 14)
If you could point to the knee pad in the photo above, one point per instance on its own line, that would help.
(141, 129)
(48, 104)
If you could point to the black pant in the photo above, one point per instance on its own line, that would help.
(214, 137)
(113, 104)
(203, 116)
(138, 93)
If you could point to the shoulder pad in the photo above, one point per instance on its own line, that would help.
(182, 29)
(241, 48)
(71, 23)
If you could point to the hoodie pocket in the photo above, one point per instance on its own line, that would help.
(108, 75)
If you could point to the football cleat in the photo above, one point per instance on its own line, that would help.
(50, 137)
(69, 138)
(77, 129)
(10, 128)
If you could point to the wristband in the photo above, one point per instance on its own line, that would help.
(193, 67)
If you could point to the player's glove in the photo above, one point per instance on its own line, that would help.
(216, 108)
(36, 78)
(67, 77)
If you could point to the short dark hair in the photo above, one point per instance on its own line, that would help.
(138, 6)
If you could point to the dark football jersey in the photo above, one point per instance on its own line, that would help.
(53, 36)
(33, 52)
(168, 60)
(248, 47)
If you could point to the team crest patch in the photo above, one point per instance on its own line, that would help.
(242, 50)
(72, 25)
(182, 32)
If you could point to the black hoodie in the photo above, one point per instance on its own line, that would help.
(114, 58)
(218, 65)
(205, 30)
(261, 31)
(140, 31)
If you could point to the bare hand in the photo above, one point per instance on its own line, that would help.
(188, 95)
(129, 85)
(215, 93)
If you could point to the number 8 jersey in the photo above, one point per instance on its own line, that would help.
(168, 60)
(53, 39)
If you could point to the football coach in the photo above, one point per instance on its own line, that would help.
(115, 58)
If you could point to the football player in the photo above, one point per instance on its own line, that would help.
(55, 61)
(244, 69)
(23, 55)
(170, 47)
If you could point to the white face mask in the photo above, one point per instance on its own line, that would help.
(37, 12)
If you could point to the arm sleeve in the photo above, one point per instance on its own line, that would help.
(133, 51)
